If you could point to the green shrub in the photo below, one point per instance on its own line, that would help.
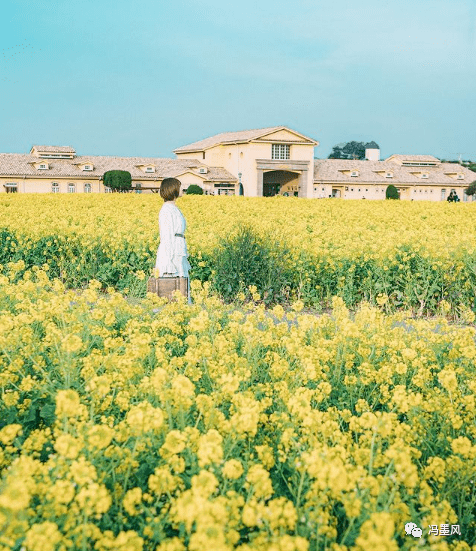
(194, 189)
(392, 192)
(471, 189)
(118, 180)
(246, 259)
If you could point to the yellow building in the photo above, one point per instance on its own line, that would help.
(267, 161)
(57, 169)
(416, 177)
(262, 162)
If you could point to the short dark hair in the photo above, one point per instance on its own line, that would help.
(170, 189)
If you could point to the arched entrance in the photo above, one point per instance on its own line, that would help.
(280, 182)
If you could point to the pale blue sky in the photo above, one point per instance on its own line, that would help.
(113, 77)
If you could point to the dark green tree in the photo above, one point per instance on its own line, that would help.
(471, 189)
(352, 150)
(392, 192)
(337, 152)
(118, 180)
(194, 189)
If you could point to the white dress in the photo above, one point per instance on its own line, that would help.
(172, 252)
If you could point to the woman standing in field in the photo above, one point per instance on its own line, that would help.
(172, 252)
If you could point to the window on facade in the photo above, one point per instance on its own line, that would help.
(71, 188)
(87, 188)
(138, 187)
(107, 189)
(55, 187)
(204, 155)
(280, 151)
(443, 194)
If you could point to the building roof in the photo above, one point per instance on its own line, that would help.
(16, 164)
(232, 137)
(332, 170)
(414, 158)
(54, 148)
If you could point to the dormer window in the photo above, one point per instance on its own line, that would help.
(43, 166)
(149, 169)
(460, 176)
(424, 175)
(388, 175)
(354, 173)
(87, 167)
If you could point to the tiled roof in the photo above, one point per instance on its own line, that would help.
(229, 137)
(16, 164)
(330, 170)
(54, 148)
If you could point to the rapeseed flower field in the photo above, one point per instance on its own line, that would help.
(149, 425)
(404, 254)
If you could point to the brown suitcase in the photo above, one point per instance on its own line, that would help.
(165, 286)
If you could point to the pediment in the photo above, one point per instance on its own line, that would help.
(148, 168)
(285, 135)
(37, 164)
(190, 173)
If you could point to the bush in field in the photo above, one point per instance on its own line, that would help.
(392, 192)
(194, 190)
(118, 180)
(247, 259)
